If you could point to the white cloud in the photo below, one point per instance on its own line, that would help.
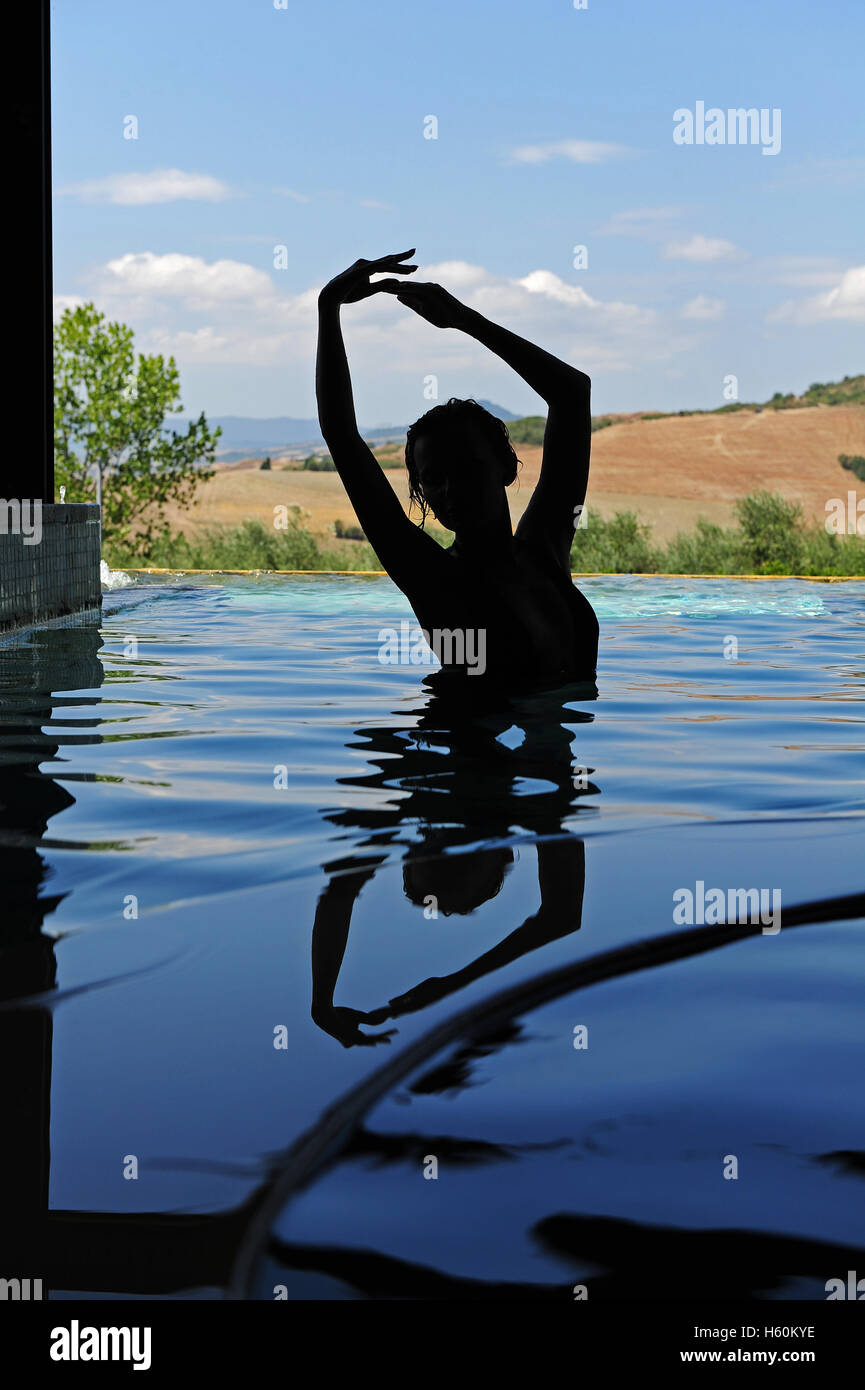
(805, 272)
(704, 309)
(641, 222)
(577, 151)
(63, 302)
(290, 193)
(460, 275)
(203, 342)
(845, 300)
(228, 312)
(199, 282)
(544, 282)
(702, 250)
(157, 186)
(232, 343)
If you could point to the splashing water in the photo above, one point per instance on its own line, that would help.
(113, 579)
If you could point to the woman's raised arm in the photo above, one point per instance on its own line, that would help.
(550, 517)
(399, 545)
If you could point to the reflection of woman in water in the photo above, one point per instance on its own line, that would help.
(512, 588)
(457, 800)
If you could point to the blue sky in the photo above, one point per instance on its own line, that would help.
(303, 127)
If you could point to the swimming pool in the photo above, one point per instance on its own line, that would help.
(228, 824)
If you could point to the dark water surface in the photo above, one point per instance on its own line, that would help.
(280, 927)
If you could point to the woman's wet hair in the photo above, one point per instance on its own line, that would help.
(447, 418)
(456, 883)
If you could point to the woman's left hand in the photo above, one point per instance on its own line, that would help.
(354, 284)
(432, 302)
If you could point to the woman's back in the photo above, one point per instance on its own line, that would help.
(521, 622)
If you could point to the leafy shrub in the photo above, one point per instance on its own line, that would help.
(619, 545)
(528, 430)
(771, 529)
(708, 549)
(317, 463)
(347, 533)
(855, 463)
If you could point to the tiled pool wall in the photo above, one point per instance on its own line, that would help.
(49, 561)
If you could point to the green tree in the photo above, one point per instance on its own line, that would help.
(110, 440)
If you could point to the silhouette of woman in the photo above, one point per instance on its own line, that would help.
(506, 594)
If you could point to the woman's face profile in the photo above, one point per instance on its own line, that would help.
(460, 474)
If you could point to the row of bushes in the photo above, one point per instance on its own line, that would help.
(771, 536)
(850, 391)
(323, 463)
(250, 546)
(529, 429)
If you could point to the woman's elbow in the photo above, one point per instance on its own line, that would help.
(575, 388)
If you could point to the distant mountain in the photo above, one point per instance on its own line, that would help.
(499, 410)
(246, 436)
(247, 432)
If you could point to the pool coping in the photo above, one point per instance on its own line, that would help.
(575, 574)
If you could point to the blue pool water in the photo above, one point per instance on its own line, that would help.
(281, 925)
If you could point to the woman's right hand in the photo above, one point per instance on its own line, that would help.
(344, 1025)
(354, 284)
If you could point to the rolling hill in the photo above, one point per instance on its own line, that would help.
(668, 469)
